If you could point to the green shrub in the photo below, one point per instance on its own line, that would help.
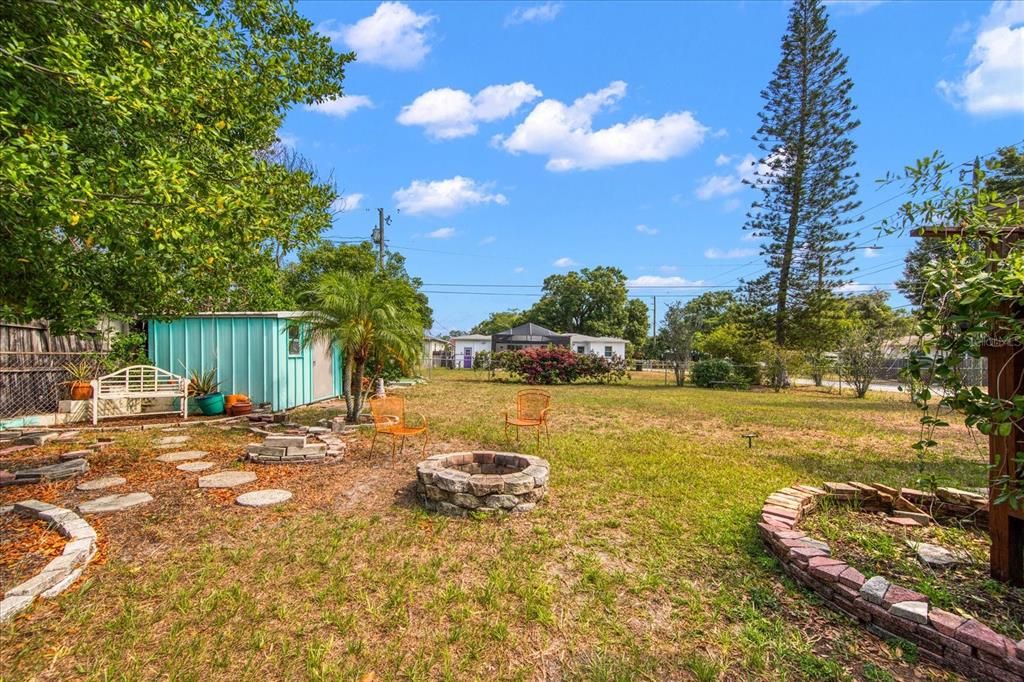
(710, 373)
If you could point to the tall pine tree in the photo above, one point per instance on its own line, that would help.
(806, 174)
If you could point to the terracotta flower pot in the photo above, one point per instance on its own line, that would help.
(81, 390)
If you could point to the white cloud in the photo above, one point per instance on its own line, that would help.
(340, 107)
(489, 239)
(447, 113)
(994, 81)
(442, 233)
(724, 185)
(749, 236)
(718, 254)
(644, 229)
(519, 269)
(393, 36)
(565, 134)
(443, 197)
(288, 140)
(564, 262)
(871, 252)
(668, 268)
(349, 202)
(731, 205)
(853, 288)
(658, 281)
(535, 13)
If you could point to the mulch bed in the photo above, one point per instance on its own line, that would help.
(966, 589)
(26, 545)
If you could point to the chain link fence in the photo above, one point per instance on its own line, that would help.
(36, 382)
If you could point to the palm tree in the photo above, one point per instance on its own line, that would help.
(365, 316)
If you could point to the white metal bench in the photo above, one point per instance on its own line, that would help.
(140, 381)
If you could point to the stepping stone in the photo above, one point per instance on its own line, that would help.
(194, 466)
(68, 435)
(114, 503)
(172, 440)
(900, 521)
(227, 479)
(52, 472)
(101, 483)
(182, 456)
(263, 498)
(76, 454)
(934, 556)
(37, 438)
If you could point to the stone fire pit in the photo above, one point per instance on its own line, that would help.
(460, 482)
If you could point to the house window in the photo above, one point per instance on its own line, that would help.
(580, 349)
(607, 351)
(294, 342)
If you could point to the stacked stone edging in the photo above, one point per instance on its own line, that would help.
(61, 572)
(966, 646)
(294, 448)
(457, 492)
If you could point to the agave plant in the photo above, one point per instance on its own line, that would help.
(203, 383)
(82, 371)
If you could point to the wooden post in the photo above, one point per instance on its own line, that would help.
(1006, 525)
(1005, 380)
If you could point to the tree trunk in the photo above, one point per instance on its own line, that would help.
(346, 386)
(357, 394)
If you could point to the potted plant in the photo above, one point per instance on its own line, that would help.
(82, 372)
(203, 388)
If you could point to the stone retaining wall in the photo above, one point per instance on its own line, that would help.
(61, 572)
(885, 609)
(461, 482)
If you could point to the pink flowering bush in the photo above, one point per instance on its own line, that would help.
(559, 365)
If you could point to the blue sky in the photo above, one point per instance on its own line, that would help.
(510, 141)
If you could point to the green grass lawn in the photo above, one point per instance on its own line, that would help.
(642, 563)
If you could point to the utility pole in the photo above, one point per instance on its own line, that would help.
(377, 236)
(654, 319)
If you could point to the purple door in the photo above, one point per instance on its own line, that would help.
(467, 358)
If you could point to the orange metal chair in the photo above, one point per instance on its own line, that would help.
(391, 419)
(532, 408)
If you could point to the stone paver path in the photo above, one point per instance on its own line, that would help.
(182, 456)
(194, 466)
(114, 503)
(172, 440)
(264, 498)
(101, 483)
(227, 479)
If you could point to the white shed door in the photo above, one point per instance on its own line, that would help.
(323, 371)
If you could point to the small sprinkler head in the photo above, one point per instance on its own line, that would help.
(750, 439)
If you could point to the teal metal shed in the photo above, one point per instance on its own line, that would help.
(258, 354)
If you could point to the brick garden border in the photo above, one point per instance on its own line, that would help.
(61, 572)
(966, 646)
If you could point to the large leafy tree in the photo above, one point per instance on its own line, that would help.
(369, 317)
(300, 277)
(805, 177)
(136, 164)
(500, 321)
(591, 301)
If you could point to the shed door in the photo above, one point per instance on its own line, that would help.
(323, 371)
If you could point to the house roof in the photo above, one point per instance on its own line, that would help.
(529, 329)
(471, 337)
(428, 337)
(245, 313)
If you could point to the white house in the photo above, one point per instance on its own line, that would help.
(528, 335)
(466, 348)
(604, 346)
(435, 351)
